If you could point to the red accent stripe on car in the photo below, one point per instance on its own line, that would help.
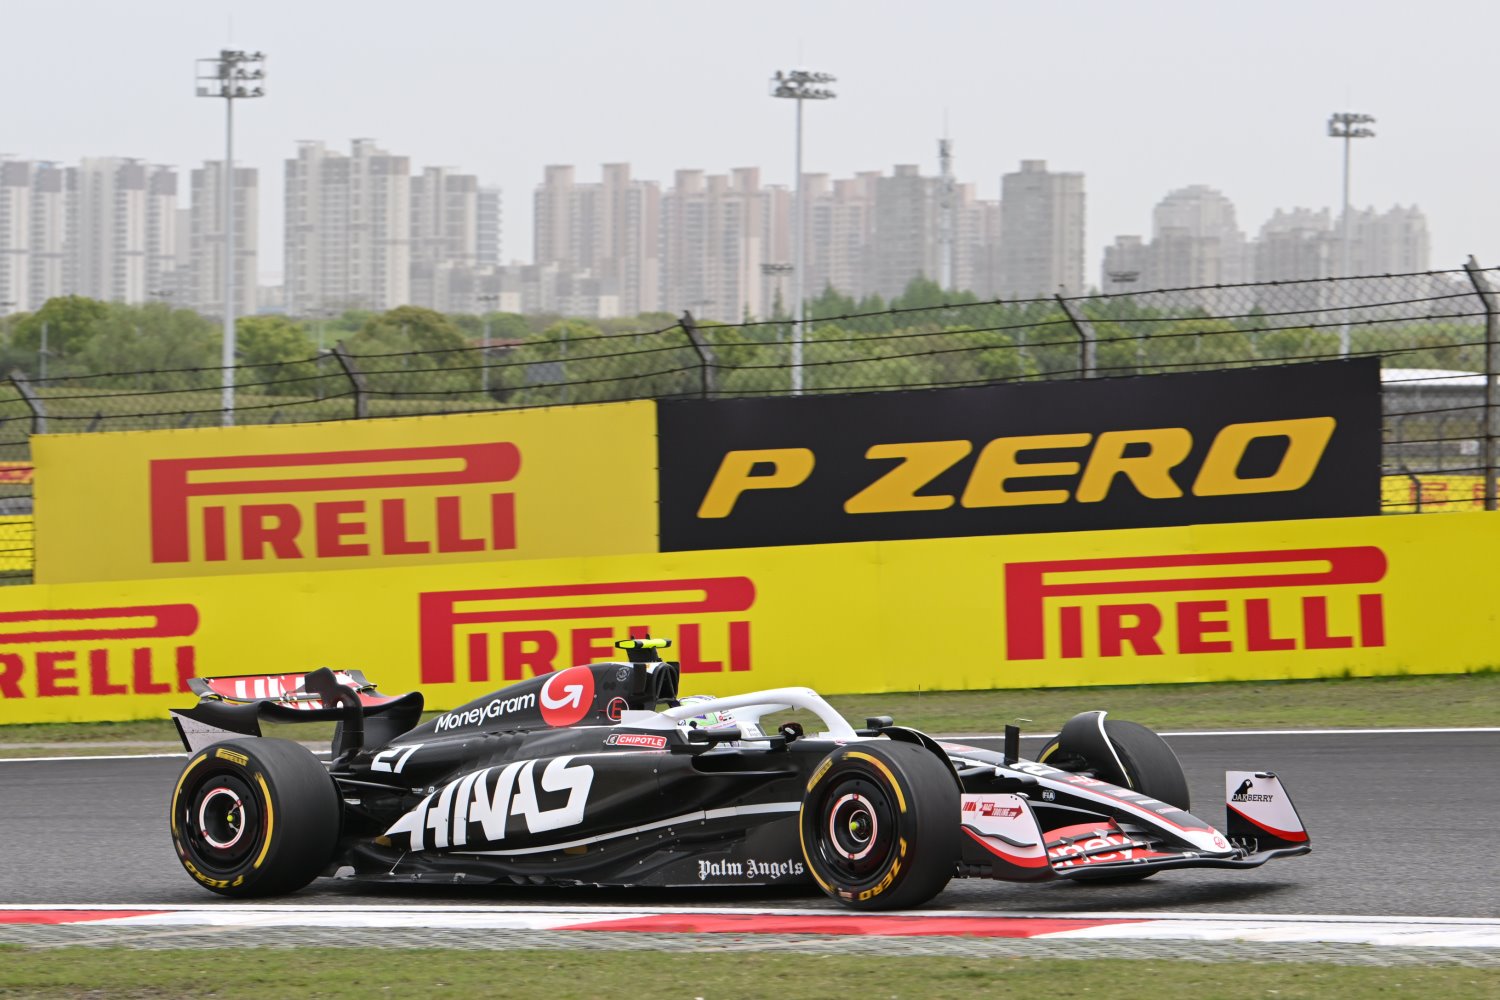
(1006, 856)
(1294, 836)
(888, 926)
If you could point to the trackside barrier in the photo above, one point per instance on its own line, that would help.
(1273, 600)
(462, 488)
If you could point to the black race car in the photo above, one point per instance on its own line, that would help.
(602, 775)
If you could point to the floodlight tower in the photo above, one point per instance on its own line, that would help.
(800, 85)
(1348, 126)
(233, 74)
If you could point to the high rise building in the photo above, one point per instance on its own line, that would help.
(348, 229)
(1042, 232)
(1296, 245)
(49, 234)
(444, 217)
(204, 288)
(713, 243)
(909, 238)
(604, 236)
(490, 227)
(444, 238)
(15, 236)
(121, 228)
(1195, 241)
(905, 242)
(1393, 242)
(844, 261)
(162, 279)
(976, 264)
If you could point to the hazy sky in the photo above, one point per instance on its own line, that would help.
(1143, 97)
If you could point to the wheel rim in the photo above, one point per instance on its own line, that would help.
(858, 834)
(221, 822)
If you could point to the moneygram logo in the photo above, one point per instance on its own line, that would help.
(542, 629)
(495, 708)
(96, 651)
(1073, 599)
(320, 513)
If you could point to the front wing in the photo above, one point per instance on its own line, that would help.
(1003, 838)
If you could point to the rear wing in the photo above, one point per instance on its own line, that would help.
(232, 707)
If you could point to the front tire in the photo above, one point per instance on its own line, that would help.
(880, 825)
(1149, 767)
(255, 817)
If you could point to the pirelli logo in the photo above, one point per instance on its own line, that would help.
(94, 652)
(475, 635)
(330, 504)
(1256, 601)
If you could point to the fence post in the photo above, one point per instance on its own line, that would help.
(1491, 376)
(356, 379)
(32, 400)
(705, 365)
(1087, 339)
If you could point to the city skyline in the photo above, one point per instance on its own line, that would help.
(1141, 100)
(372, 230)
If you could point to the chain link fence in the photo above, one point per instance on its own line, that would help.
(1435, 332)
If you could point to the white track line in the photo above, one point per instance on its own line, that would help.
(1282, 928)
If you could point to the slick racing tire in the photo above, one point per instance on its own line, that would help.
(255, 817)
(1151, 767)
(880, 825)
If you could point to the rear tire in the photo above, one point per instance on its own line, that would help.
(880, 825)
(255, 817)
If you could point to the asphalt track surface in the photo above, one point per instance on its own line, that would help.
(1402, 824)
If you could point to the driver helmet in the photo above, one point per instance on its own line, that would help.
(708, 720)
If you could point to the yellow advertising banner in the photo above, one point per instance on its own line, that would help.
(16, 543)
(1273, 600)
(458, 488)
(1431, 492)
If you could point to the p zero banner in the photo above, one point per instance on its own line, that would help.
(1249, 444)
(525, 484)
(1272, 600)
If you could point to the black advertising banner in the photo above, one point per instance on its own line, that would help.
(1243, 444)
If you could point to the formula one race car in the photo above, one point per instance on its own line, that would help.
(602, 775)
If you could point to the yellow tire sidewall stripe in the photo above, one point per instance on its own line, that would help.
(880, 765)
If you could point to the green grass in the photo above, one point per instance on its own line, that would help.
(332, 972)
(1432, 700)
(1428, 700)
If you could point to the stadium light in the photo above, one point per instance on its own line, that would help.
(233, 75)
(1348, 127)
(490, 300)
(800, 85)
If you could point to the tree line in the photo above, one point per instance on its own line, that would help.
(924, 337)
